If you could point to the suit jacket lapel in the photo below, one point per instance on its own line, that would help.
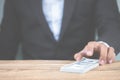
(36, 6)
(68, 10)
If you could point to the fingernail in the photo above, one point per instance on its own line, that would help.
(102, 62)
(110, 61)
(77, 59)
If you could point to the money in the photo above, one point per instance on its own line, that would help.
(82, 66)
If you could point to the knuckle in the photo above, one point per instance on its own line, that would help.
(102, 45)
(90, 42)
(112, 49)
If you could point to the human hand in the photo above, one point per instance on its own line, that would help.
(107, 54)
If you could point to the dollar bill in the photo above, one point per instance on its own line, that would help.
(82, 66)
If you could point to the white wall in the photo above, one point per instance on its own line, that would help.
(1, 9)
(118, 2)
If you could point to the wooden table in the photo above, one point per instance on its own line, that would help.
(49, 70)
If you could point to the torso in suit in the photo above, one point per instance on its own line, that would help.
(25, 23)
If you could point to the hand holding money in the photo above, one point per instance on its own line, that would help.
(107, 53)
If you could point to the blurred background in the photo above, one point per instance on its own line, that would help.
(19, 55)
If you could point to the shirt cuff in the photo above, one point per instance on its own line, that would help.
(104, 43)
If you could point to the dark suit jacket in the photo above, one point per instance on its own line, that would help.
(24, 22)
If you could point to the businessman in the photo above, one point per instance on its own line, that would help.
(60, 29)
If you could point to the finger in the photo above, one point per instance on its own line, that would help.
(111, 55)
(78, 56)
(103, 54)
(88, 50)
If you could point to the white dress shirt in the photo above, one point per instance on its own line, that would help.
(53, 12)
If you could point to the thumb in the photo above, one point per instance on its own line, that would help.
(84, 53)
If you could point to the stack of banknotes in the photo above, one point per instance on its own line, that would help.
(82, 66)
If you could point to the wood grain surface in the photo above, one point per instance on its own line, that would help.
(49, 70)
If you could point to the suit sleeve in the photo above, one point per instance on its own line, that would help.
(10, 32)
(108, 23)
